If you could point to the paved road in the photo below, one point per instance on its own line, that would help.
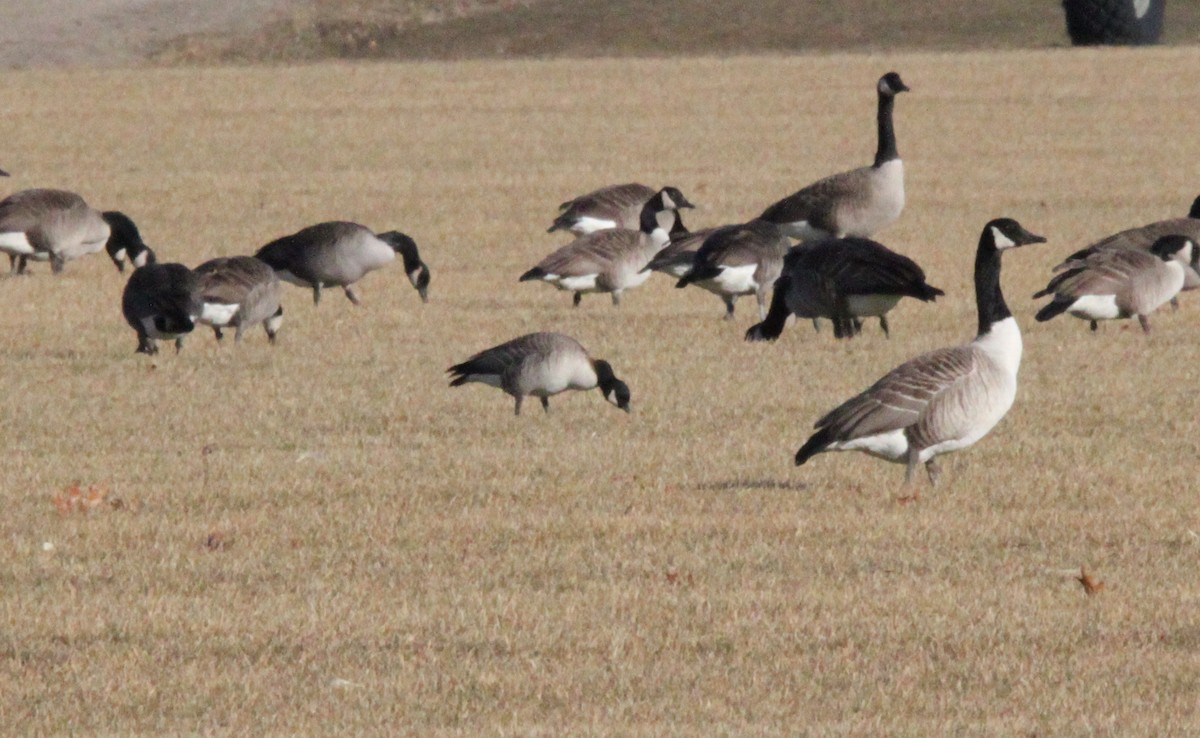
(63, 33)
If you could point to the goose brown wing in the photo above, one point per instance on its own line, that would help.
(1101, 273)
(498, 359)
(607, 201)
(812, 203)
(740, 245)
(1136, 238)
(590, 254)
(903, 396)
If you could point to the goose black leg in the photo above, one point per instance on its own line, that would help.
(577, 299)
(546, 404)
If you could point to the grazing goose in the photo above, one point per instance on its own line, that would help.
(237, 291)
(943, 400)
(338, 254)
(859, 202)
(844, 279)
(615, 206)
(1108, 285)
(541, 364)
(125, 242)
(1143, 237)
(738, 260)
(55, 226)
(612, 260)
(160, 303)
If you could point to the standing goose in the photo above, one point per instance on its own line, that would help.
(1108, 285)
(238, 291)
(612, 260)
(55, 226)
(1143, 237)
(846, 280)
(738, 260)
(859, 202)
(615, 206)
(541, 364)
(944, 400)
(338, 254)
(160, 303)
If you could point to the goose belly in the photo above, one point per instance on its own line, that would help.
(959, 421)
(890, 446)
(1096, 307)
(218, 314)
(738, 280)
(881, 207)
(871, 305)
(556, 374)
(581, 283)
(287, 276)
(630, 278)
(801, 230)
(16, 243)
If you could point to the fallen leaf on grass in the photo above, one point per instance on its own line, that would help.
(77, 499)
(1090, 584)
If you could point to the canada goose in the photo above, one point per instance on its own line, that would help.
(844, 279)
(943, 400)
(55, 226)
(541, 364)
(859, 202)
(615, 206)
(675, 259)
(160, 303)
(338, 254)
(1143, 237)
(124, 242)
(1108, 285)
(735, 260)
(612, 260)
(238, 291)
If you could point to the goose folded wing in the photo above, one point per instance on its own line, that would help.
(589, 254)
(1102, 273)
(902, 397)
(810, 204)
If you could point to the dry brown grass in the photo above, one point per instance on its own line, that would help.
(362, 550)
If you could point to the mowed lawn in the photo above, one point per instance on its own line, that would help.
(322, 538)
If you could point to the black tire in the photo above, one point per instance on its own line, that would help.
(1124, 22)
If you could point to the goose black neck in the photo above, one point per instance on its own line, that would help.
(988, 297)
(649, 218)
(887, 133)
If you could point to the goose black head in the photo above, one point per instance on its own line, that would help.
(614, 390)
(891, 85)
(1007, 233)
(417, 271)
(273, 324)
(1195, 211)
(1167, 247)
(670, 198)
(125, 242)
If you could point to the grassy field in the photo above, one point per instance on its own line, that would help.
(322, 538)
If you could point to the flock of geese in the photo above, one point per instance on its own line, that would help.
(935, 403)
